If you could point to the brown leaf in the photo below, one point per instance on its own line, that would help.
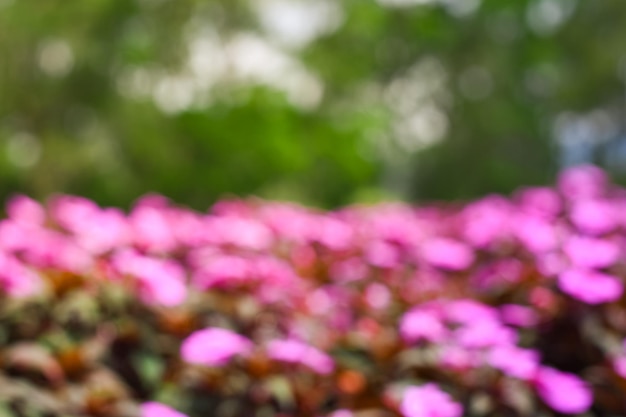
(12, 389)
(105, 383)
(29, 359)
(64, 282)
(79, 359)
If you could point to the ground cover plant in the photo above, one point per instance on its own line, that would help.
(508, 306)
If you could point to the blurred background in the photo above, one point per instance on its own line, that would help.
(323, 102)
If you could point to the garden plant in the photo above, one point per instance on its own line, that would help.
(501, 306)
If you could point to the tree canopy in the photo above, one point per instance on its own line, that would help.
(318, 101)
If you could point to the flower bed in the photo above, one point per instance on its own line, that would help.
(499, 306)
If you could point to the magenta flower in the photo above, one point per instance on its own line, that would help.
(584, 181)
(162, 289)
(458, 358)
(514, 361)
(96, 230)
(155, 409)
(222, 271)
(377, 296)
(237, 231)
(16, 279)
(470, 312)
(72, 212)
(382, 254)
(592, 287)
(15, 236)
(537, 234)
(447, 253)
(518, 315)
(429, 401)
(422, 324)
(539, 201)
(551, 264)
(563, 392)
(497, 273)
(289, 221)
(334, 233)
(214, 347)
(188, 227)
(591, 252)
(487, 221)
(294, 351)
(278, 282)
(151, 227)
(103, 231)
(395, 223)
(320, 302)
(594, 216)
(160, 281)
(485, 333)
(22, 209)
(352, 269)
(52, 249)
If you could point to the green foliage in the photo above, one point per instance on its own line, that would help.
(78, 112)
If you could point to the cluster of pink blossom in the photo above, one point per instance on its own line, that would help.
(447, 301)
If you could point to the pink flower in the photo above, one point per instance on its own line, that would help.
(551, 263)
(485, 333)
(214, 347)
(25, 210)
(377, 296)
(152, 229)
(591, 252)
(590, 286)
(72, 212)
(423, 324)
(458, 358)
(517, 315)
(294, 351)
(160, 281)
(222, 271)
(381, 254)
(429, 401)
(52, 249)
(15, 236)
(16, 279)
(537, 234)
(96, 230)
(237, 231)
(447, 253)
(320, 302)
(486, 221)
(594, 216)
(334, 233)
(163, 289)
(494, 274)
(563, 392)
(290, 222)
(154, 409)
(352, 269)
(102, 231)
(584, 181)
(470, 311)
(278, 281)
(539, 201)
(395, 223)
(514, 361)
